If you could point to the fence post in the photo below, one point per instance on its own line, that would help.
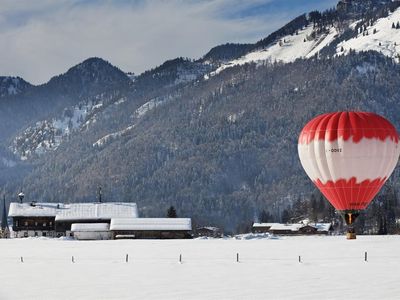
(72, 259)
(180, 258)
(126, 258)
(22, 259)
(237, 257)
(366, 256)
(299, 259)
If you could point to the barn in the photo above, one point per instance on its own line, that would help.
(56, 219)
(151, 228)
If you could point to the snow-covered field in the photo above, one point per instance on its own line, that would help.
(331, 268)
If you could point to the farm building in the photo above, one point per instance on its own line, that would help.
(151, 228)
(209, 231)
(293, 229)
(56, 219)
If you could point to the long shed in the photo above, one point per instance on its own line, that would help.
(151, 228)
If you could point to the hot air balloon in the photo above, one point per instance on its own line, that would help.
(349, 156)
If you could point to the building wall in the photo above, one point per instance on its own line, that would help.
(261, 229)
(95, 235)
(152, 234)
(33, 223)
(33, 233)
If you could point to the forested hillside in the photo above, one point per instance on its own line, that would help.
(219, 150)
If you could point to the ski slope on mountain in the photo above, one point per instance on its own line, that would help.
(381, 37)
(287, 49)
(330, 268)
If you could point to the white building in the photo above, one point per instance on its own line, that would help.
(55, 219)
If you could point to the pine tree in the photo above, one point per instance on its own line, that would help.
(285, 216)
(393, 26)
(171, 213)
(4, 223)
(398, 25)
(313, 209)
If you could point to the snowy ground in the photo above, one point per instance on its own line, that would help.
(331, 268)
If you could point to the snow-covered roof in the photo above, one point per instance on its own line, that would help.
(90, 227)
(151, 224)
(291, 227)
(297, 226)
(75, 211)
(322, 226)
(263, 224)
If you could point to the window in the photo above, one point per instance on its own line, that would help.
(26, 223)
(36, 223)
(44, 224)
(26, 234)
(36, 234)
(16, 223)
(44, 233)
(50, 223)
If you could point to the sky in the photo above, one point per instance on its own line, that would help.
(43, 38)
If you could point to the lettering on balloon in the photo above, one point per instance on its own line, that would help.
(334, 150)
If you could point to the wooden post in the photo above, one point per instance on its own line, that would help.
(72, 259)
(180, 258)
(237, 257)
(126, 258)
(22, 259)
(366, 256)
(299, 259)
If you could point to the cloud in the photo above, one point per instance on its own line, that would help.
(43, 38)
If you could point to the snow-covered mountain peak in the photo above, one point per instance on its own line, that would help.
(354, 25)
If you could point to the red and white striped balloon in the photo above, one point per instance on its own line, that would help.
(349, 156)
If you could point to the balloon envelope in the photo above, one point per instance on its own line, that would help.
(349, 156)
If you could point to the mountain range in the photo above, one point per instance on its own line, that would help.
(215, 137)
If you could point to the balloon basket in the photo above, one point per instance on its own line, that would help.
(351, 236)
(351, 233)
